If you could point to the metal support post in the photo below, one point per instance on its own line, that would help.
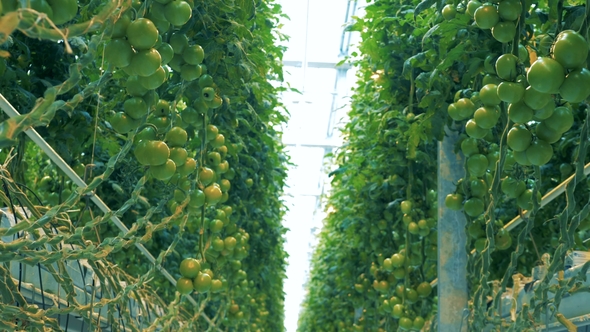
(452, 257)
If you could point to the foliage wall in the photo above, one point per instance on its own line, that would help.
(510, 77)
(165, 108)
(371, 254)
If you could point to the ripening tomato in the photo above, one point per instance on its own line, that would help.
(473, 207)
(166, 53)
(547, 134)
(216, 102)
(216, 226)
(177, 12)
(535, 99)
(212, 132)
(576, 86)
(477, 164)
(512, 187)
(469, 146)
(519, 138)
(122, 123)
(489, 95)
(146, 62)
(217, 244)
(178, 155)
(546, 75)
(525, 200)
(398, 310)
(230, 242)
(503, 240)
(135, 108)
(213, 194)
(561, 120)
(475, 131)
(504, 31)
(190, 72)
(176, 136)
(120, 26)
(193, 55)
(424, 289)
(202, 283)
(218, 141)
(184, 286)
(134, 87)
(190, 268)
(545, 112)
(189, 166)
(570, 49)
(539, 152)
(486, 117)
(142, 34)
(179, 42)
(519, 112)
(448, 12)
(206, 175)
(509, 10)
(197, 198)
(507, 66)
(154, 80)
(118, 52)
(156, 153)
(213, 158)
(486, 16)
(510, 92)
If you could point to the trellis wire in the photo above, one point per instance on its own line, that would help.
(35, 137)
(547, 198)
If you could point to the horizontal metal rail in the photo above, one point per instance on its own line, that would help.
(547, 198)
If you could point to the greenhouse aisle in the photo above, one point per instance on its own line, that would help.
(312, 131)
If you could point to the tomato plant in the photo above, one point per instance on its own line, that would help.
(129, 116)
(502, 85)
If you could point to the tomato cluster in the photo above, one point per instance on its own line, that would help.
(538, 100)
(175, 139)
(142, 113)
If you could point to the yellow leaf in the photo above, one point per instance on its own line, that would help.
(8, 23)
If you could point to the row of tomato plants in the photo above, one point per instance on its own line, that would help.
(172, 112)
(510, 78)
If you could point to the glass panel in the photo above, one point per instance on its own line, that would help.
(293, 28)
(326, 20)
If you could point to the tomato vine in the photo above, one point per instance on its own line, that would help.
(166, 109)
(497, 74)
